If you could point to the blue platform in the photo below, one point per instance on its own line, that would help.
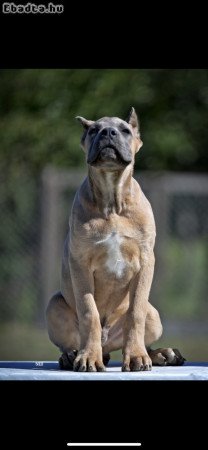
(49, 370)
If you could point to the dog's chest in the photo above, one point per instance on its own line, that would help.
(117, 260)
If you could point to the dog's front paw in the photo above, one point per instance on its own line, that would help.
(89, 361)
(136, 362)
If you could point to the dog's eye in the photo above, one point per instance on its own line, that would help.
(126, 130)
(92, 131)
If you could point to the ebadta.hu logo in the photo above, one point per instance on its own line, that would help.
(31, 8)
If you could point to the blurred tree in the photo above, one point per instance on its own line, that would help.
(38, 127)
(38, 107)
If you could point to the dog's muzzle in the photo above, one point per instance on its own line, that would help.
(107, 147)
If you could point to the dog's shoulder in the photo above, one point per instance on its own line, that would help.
(142, 207)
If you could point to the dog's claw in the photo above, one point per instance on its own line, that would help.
(101, 369)
(179, 358)
(76, 366)
(125, 368)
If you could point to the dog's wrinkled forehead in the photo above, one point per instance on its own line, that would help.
(111, 122)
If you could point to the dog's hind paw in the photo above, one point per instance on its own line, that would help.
(166, 357)
(106, 358)
(66, 360)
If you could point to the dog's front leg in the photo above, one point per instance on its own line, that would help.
(135, 356)
(89, 357)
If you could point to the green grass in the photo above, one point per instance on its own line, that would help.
(25, 342)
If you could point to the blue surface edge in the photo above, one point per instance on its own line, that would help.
(54, 365)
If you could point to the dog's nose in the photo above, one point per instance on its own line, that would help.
(109, 132)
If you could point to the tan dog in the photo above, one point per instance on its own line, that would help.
(108, 260)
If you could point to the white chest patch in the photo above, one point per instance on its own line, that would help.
(115, 262)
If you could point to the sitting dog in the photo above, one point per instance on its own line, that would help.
(108, 260)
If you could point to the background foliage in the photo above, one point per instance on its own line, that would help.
(38, 107)
(38, 127)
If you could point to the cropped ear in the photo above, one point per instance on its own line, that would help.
(132, 119)
(139, 144)
(85, 123)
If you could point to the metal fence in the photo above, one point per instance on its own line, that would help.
(34, 223)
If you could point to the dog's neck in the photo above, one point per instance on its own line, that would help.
(111, 190)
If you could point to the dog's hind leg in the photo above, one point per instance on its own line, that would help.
(153, 326)
(63, 329)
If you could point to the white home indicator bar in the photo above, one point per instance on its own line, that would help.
(104, 444)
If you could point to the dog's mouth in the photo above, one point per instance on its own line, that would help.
(108, 153)
(109, 156)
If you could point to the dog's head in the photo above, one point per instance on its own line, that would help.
(111, 142)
